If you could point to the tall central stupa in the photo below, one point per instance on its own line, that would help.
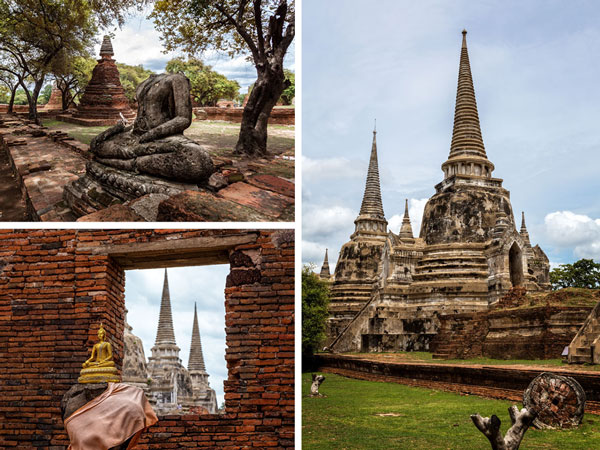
(389, 289)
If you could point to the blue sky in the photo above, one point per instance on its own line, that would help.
(536, 74)
(202, 284)
(138, 43)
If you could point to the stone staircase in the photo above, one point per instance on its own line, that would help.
(585, 346)
(457, 339)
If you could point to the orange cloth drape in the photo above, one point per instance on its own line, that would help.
(110, 419)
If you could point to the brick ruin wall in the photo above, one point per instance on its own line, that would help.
(279, 116)
(529, 333)
(54, 287)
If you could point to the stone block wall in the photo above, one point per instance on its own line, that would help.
(528, 333)
(57, 286)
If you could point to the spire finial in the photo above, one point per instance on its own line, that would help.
(165, 333)
(325, 272)
(371, 204)
(522, 219)
(375, 127)
(196, 359)
(467, 143)
(406, 229)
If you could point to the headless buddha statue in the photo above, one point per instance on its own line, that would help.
(155, 144)
(100, 368)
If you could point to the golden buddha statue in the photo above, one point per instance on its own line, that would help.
(100, 368)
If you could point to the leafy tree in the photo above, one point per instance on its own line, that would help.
(131, 77)
(4, 94)
(33, 33)
(264, 29)
(72, 74)
(45, 94)
(207, 86)
(584, 273)
(10, 82)
(289, 92)
(315, 301)
(20, 97)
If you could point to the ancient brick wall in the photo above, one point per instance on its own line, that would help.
(528, 333)
(279, 116)
(56, 286)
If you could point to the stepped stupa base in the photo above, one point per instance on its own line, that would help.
(104, 186)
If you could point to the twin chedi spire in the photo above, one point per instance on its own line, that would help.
(467, 152)
(196, 360)
(165, 333)
(371, 219)
(524, 233)
(371, 204)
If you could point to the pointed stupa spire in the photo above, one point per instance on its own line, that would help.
(106, 49)
(196, 360)
(524, 233)
(371, 203)
(325, 273)
(406, 229)
(467, 152)
(165, 333)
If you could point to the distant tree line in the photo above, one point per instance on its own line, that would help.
(584, 273)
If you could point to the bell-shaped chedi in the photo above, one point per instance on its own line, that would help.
(55, 102)
(104, 99)
(359, 261)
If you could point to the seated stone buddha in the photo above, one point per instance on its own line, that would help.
(155, 144)
(100, 368)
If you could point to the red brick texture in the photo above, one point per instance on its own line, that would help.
(55, 288)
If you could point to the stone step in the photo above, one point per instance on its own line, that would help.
(578, 359)
(583, 351)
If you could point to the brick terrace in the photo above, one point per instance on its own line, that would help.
(57, 286)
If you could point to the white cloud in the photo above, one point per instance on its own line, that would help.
(567, 229)
(333, 169)
(326, 220)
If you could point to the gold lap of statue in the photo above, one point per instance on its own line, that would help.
(100, 368)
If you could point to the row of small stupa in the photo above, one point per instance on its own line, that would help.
(389, 289)
(170, 387)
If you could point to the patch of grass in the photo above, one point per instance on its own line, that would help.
(77, 132)
(359, 414)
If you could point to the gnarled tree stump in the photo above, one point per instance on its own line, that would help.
(490, 427)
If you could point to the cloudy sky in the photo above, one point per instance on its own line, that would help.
(536, 73)
(202, 284)
(139, 43)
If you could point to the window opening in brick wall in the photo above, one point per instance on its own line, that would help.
(161, 319)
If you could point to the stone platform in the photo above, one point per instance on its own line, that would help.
(45, 162)
(42, 168)
(91, 122)
(494, 381)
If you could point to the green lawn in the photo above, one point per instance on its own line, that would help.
(359, 414)
(219, 139)
(77, 132)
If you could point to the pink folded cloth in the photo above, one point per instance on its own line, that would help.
(120, 412)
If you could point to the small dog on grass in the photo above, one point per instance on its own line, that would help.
(314, 387)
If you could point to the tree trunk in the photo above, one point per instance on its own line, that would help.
(11, 102)
(521, 420)
(269, 85)
(33, 98)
